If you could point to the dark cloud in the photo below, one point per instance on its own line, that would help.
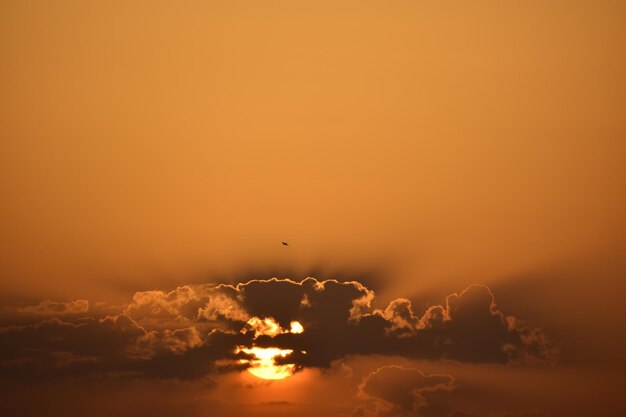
(196, 330)
(470, 328)
(115, 344)
(467, 328)
(398, 391)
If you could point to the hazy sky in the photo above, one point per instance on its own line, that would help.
(417, 147)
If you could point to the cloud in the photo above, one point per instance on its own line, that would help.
(467, 328)
(186, 305)
(56, 308)
(115, 344)
(399, 391)
(196, 330)
(470, 328)
(176, 341)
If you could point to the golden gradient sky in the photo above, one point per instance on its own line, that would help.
(421, 145)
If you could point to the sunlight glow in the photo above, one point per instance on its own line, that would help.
(296, 327)
(264, 327)
(264, 366)
(268, 326)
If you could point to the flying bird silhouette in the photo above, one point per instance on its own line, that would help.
(285, 243)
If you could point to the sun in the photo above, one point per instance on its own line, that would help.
(264, 365)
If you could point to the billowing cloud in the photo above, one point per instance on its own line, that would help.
(467, 328)
(398, 391)
(196, 330)
(187, 305)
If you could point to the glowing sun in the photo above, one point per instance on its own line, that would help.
(263, 363)
(264, 366)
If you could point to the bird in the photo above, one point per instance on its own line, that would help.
(285, 243)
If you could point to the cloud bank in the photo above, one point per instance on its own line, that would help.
(197, 330)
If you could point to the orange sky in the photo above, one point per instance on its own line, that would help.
(419, 146)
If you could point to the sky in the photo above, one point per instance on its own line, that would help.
(450, 177)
